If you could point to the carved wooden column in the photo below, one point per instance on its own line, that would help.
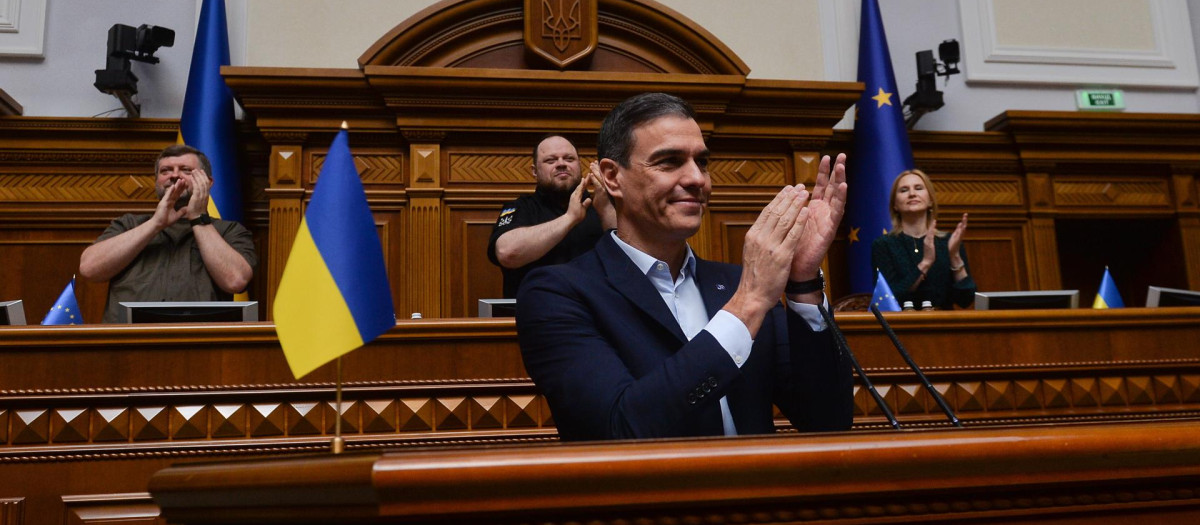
(286, 194)
(1187, 206)
(423, 275)
(1045, 274)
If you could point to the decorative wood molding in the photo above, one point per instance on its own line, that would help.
(372, 169)
(493, 168)
(561, 33)
(9, 106)
(636, 35)
(12, 511)
(746, 172)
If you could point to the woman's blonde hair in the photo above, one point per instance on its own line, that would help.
(930, 214)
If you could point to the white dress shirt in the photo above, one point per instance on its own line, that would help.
(682, 297)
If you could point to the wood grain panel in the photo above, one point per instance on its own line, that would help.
(1053, 474)
(474, 276)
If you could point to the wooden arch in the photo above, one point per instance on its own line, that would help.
(634, 36)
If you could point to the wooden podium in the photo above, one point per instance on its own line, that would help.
(1050, 474)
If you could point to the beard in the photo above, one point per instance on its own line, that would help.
(183, 199)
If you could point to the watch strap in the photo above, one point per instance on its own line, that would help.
(809, 286)
(202, 219)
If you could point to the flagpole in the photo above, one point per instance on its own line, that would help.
(338, 445)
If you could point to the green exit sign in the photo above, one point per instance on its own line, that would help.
(1100, 99)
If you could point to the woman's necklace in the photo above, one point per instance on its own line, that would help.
(916, 243)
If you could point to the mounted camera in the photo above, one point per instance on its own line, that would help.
(126, 43)
(927, 98)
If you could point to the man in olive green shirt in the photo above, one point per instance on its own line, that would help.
(178, 253)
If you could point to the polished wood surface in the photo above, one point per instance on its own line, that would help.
(93, 411)
(1051, 474)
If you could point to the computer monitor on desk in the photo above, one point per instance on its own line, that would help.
(497, 308)
(12, 312)
(1158, 296)
(1035, 300)
(189, 312)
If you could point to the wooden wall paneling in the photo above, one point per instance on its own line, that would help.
(286, 205)
(473, 276)
(996, 252)
(1186, 187)
(424, 271)
(12, 511)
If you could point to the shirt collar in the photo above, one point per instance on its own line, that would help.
(646, 263)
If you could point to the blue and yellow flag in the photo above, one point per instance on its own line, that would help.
(65, 309)
(881, 149)
(1108, 296)
(334, 295)
(882, 296)
(207, 122)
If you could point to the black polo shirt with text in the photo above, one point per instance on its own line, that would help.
(540, 207)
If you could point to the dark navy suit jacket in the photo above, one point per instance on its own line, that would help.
(612, 362)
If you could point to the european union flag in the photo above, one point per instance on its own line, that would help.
(882, 297)
(334, 295)
(207, 122)
(65, 309)
(1108, 296)
(881, 149)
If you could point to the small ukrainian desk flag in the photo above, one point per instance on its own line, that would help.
(65, 309)
(883, 298)
(1108, 296)
(334, 295)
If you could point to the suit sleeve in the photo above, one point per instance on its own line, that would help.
(815, 384)
(575, 348)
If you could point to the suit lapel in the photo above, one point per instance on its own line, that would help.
(627, 279)
(716, 285)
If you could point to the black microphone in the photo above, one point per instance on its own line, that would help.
(845, 348)
(913, 365)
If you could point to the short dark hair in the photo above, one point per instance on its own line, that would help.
(539, 142)
(179, 150)
(616, 134)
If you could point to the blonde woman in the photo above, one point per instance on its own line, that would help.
(919, 262)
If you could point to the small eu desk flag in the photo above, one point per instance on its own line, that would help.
(65, 309)
(334, 295)
(882, 297)
(881, 149)
(1108, 296)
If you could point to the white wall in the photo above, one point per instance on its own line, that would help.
(786, 39)
(76, 36)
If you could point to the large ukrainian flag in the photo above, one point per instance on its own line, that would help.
(334, 295)
(207, 122)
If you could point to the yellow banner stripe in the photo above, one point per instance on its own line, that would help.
(311, 317)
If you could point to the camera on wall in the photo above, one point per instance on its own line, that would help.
(927, 98)
(127, 43)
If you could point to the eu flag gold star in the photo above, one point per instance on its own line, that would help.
(854, 235)
(883, 98)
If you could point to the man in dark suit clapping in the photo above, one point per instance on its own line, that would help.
(639, 338)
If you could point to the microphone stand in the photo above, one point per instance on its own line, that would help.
(845, 348)
(913, 365)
